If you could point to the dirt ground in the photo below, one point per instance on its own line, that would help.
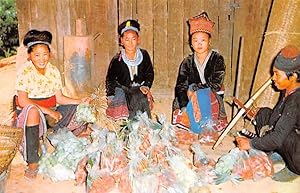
(16, 183)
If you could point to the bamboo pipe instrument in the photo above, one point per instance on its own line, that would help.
(242, 111)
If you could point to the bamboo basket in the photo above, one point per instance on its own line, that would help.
(10, 139)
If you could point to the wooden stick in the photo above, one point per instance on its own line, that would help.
(242, 111)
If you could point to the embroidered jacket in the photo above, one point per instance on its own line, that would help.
(118, 73)
(214, 74)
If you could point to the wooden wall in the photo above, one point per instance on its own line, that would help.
(238, 33)
(283, 28)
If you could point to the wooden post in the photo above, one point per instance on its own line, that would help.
(78, 59)
(80, 27)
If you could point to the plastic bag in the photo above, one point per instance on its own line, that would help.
(199, 157)
(261, 164)
(208, 135)
(225, 166)
(242, 168)
(145, 184)
(103, 184)
(254, 164)
(185, 137)
(81, 172)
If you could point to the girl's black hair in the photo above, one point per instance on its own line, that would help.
(289, 74)
(36, 35)
(133, 23)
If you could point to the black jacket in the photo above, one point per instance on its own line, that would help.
(214, 74)
(118, 73)
(284, 138)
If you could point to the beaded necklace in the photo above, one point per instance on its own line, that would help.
(132, 64)
(136, 61)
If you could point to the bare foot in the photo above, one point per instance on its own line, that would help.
(31, 171)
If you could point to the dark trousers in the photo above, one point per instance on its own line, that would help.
(136, 101)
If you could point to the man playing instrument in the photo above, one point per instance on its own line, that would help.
(283, 135)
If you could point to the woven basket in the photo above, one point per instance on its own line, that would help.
(10, 139)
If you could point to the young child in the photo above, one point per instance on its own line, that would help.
(283, 122)
(199, 87)
(38, 87)
(130, 75)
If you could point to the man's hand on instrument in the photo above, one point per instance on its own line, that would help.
(250, 112)
(243, 143)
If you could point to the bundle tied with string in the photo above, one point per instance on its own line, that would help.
(99, 104)
(10, 139)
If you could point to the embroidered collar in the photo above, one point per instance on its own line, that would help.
(138, 58)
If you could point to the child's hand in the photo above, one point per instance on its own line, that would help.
(144, 89)
(109, 99)
(243, 143)
(86, 100)
(55, 115)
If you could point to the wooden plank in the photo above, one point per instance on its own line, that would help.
(73, 15)
(145, 17)
(222, 40)
(249, 24)
(222, 37)
(126, 10)
(101, 43)
(112, 17)
(239, 18)
(51, 26)
(176, 23)
(63, 28)
(39, 15)
(78, 9)
(96, 31)
(81, 7)
(89, 16)
(105, 35)
(160, 46)
(23, 27)
(23, 16)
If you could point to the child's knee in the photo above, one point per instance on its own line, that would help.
(33, 116)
